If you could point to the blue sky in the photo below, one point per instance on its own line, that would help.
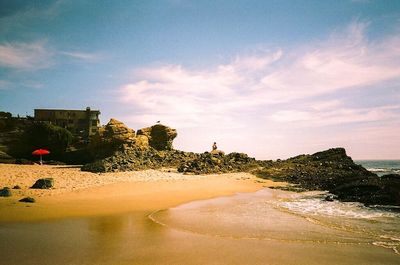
(269, 78)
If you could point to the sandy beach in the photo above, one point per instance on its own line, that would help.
(80, 194)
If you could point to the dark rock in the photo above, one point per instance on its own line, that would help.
(45, 183)
(330, 197)
(336, 172)
(16, 187)
(5, 192)
(28, 199)
(383, 190)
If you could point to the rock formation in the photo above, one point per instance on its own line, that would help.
(330, 170)
(334, 171)
(115, 134)
(160, 137)
(117, 131)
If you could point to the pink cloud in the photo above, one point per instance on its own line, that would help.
(273, 92)
(25, 56)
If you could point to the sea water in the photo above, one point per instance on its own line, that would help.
(275, 215)
(292, 217)
(381, 167)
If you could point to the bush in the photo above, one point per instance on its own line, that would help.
(43, 136)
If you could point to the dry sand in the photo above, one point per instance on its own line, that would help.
(80, 194)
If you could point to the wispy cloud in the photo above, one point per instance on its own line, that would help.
(31, 56)
(85, 56)
(25, 56)
(258, 83)
(334, 116)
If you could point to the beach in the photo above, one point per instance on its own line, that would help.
(164, 217)
(78, 194)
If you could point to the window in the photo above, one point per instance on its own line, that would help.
(94, 123)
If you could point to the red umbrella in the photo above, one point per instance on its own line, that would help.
(40, 152)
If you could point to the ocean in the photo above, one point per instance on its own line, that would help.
(293, 217)
(381, 167)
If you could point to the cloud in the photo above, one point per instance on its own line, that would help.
(25, 56)
(85, 56)
(31, 56)
(260, 84)
(345, 61)
(336, 116)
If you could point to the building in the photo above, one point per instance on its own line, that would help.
(83, 123)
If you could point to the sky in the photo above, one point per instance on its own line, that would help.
(273, 79)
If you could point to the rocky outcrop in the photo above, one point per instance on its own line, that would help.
(117, 131)
(160, 137)
(331, 170)
(383, 190)
(334, 171)
(207, 163)
(45, 183)
(134, 158)
(115, 134)
(321, 171)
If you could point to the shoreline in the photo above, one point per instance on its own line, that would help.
(84, 194)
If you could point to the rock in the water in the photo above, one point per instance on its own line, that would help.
(160, 137)
(28, 199)
(45, 183)
(383, 190)
(5, 192)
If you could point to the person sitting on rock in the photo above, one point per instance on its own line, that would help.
(214, 146)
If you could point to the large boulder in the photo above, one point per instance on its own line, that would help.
(117, 131)
(383, 190)
(160, 137)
